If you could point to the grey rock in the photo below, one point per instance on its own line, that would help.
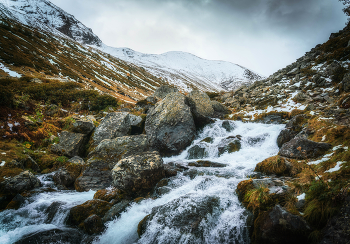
(70, 145)
(29, 163)
(163, 91)
(96, 176)
(114, 125)
(51, 211)
(84, 125)
(63, 235)
(201, 107)
(77, 160)
(93, 224)
(115, 149)
(25, 181)
(219, 109)
(64, 178)
(116, 210)
(308, 149)
(285, 136)
(301, 97)
(228, 125)
(346, 82)
(230, 144)
(169, 125)
(138, 173)
(197, 152)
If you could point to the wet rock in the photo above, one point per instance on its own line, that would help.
(5, 199)
(285, 136)
(201, 107)
(279, 226)
(138, 173)
(296, 123)
(96, 176)
(111, 194)
(219, 109)
(201, 163)
(116, 210)
(78, 214)
(228, 125)
(16, 202)
(51, 211)
(229, 145)
(197, 152)
(208, 140)
(271, 119)
(169, 125)
(84, 125)
(114, 125)
(25, 181)
(120, 147)
(63, 235)
(192, 173)
(182, 224)
(301, 148)
(70, 145)
(93, 225)
(64, 178)
(163, 91)
(257, 140)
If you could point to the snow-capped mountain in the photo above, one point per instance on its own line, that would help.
(188, 71)
(43, 14)
(181, 69)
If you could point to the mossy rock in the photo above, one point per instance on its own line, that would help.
(141, 228)
(109, 194)
(208, 140)
(78, 214)
(234, 146)
(243, 187)
(273, 165)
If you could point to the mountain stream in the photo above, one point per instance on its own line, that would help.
(199, 191)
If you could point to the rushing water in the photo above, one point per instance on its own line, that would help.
(224, 225)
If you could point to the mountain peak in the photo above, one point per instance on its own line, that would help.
(42, 14)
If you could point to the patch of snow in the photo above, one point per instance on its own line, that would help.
(2, 164)
(301, 197)
(335, 168)
(8, 71)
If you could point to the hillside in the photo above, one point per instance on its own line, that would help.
(184, 70)
(30, 52)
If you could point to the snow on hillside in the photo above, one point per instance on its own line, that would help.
(187, 71)
(184, 70)
(42, 14)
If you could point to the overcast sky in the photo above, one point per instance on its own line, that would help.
(262, 35)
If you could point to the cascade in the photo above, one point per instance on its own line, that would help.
(202, 196)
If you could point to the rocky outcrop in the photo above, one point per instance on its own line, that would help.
(220, 110)
(70, 145)
(67, 175)
(25, 181)
(201, 107)
(113, 150)
(301, 148)
(285, 136)
(169, 125)
(279, 226)
(84, 125)
(113, 125)
(138, 173)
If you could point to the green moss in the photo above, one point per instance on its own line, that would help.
(208, 140)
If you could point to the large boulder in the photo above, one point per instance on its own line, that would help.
(279, 226)
(25, 181)
(70, 145)
(229, 145)
(114, 125)
(182, 217)
(293, 127)
(115, 149)
(163, 91)
(96, 176)
(201, 107)
(138, 173)
(285, 136)
(169, 125)
(84, 125)
(301, 148)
